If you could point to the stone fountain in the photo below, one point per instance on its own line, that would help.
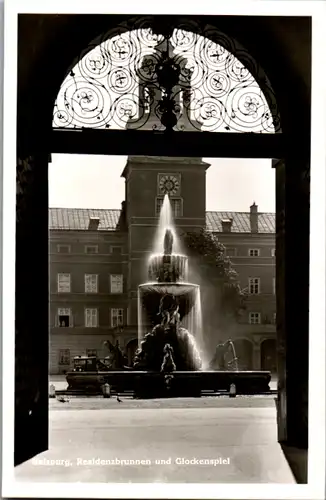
(168, 361)
(167, 299)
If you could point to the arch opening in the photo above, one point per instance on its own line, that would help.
(244, 353)
(190, 80)
(268, 355)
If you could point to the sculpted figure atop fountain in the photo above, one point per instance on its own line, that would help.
(168, 242)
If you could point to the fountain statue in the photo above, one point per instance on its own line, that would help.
(168, 340)
(168, 242)
(168, 299)
(225, 357)
(116, 360)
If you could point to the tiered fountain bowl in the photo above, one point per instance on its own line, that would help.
(167, 275)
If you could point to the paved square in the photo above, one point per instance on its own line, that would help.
(84, 432)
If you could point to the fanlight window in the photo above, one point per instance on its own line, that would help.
(118, 85)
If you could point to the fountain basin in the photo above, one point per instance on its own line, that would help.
(151, 293)
(146, 384)
(162, 268)
(173, 288)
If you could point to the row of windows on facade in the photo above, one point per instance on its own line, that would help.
(116, 284)
(93, 249)
(252, 252)
(91, 283)
(89, 249)
(64, 318)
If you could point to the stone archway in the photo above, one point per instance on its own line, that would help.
(268, 355)
(244, 352)
(40, 74)
(121, 81)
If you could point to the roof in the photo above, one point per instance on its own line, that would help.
(241, 221)
(77, 219)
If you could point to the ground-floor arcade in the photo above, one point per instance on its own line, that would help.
(254, 352)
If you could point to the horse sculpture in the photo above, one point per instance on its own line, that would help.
(222, 352)
(116, 359)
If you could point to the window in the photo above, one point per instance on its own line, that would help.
(116, 317)
(63, 248)
(91, 318)
(254, 318)
(231, 252)
(159, 204)
(273, 252)
(64, 356)
(63, 283)
(116, 283)
(91, 283)
(274, 286)
(64, 318)
(91, 249)
(176, 205)
(91, 352)
(116, 250)
(254, 286)
(254, 252)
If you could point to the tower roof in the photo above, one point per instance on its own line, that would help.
(163, 161)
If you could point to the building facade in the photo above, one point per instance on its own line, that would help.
(98, 259)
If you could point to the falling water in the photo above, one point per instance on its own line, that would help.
(194, 324)
(166, 222)
(168, 275)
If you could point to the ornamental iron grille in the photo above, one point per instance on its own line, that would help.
(190, 78)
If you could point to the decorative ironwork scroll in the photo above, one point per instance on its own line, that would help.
(196, 78)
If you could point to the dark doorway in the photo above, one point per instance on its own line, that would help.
(268, 355)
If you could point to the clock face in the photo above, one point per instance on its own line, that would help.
(169, 184)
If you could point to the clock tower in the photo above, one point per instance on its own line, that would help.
(148, 179)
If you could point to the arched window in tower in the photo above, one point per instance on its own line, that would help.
(208, 80)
